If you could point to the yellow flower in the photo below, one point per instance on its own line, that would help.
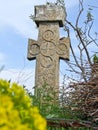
(3, 116)
(16, 109)
(39, 121)
(5, 101)
(4, 128)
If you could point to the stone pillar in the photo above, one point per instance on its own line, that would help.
(49, 48)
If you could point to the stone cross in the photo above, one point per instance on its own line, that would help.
(49, 48)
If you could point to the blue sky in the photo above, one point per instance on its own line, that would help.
(15, 29)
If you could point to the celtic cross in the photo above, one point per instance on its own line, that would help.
(49, 48)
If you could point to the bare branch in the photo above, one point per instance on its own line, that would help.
(93, 40)
(80, 12)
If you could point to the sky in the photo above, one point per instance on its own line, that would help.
(15, 29)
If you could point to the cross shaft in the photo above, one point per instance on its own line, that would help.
(49, 48)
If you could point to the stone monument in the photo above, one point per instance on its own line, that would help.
(49, 48)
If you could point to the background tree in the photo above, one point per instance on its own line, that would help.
(82, 96)
(86, 41)
(77, 97)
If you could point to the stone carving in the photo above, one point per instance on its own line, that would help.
(49, 48)
(46, 61)
(48, 35)
(63, 48)
(33, 46)
(50, 13)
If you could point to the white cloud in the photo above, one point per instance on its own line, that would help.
(16, 14)
(24, 77)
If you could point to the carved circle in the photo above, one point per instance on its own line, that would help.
(46, 61)
(47, 48)
(61, 49)
(48, 35)
(34, 49)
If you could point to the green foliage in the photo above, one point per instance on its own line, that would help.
(57, 109)
(89, 16)
(51, 106)
(95, 58)
(16, 110)
(45, 99)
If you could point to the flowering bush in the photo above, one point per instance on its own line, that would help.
(16, 110)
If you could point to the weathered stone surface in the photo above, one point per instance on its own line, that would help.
(49, 13)
(49, 48)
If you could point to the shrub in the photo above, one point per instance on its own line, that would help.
(16, 109)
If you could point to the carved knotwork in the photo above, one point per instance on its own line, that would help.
(63, 48)
(48, 49)
(33, 49)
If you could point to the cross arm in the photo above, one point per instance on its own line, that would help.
(63, 48)
(33, 49)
